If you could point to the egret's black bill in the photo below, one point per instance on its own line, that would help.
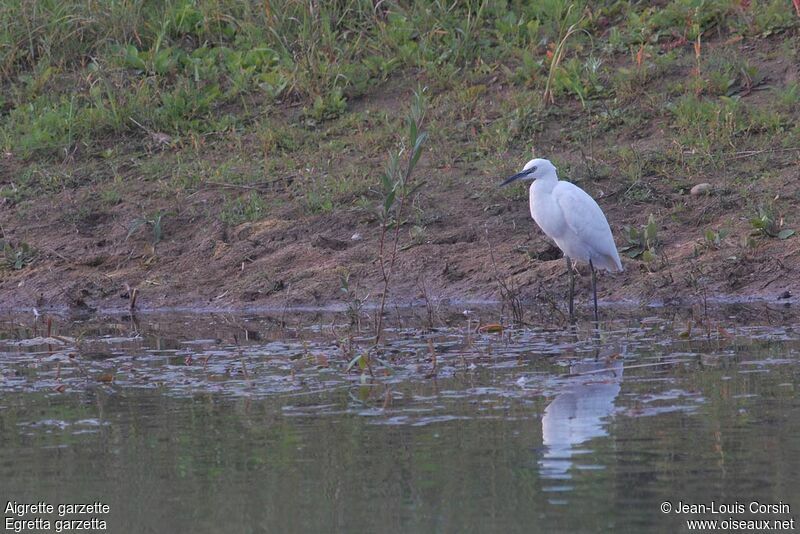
(514, 178)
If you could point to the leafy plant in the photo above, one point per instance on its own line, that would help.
(154, 221)
(765, 223)
(396, 188)
(727, 74)
(355, 303)
(579, 78)
(713, 238)
(642, 241)
(17, 257)
(331, 106)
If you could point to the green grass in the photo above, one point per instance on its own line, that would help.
(246, 208)
(189, 96)
(82, 69)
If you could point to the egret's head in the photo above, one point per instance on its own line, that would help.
(534, 169)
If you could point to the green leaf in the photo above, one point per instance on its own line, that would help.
(163, 62)
(650, 232)
(417, 152)
(353, 362)
(134, 226)
(389, 200)
(132, 58)
(386, 182)
(156, 222)
(785, 234)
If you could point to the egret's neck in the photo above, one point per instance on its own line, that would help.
(545, 184)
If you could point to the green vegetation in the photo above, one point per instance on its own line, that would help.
(397, 188)
(79, 71)
(643, 241)
(766, 223)
(246, 208)
(154, 221)
(16, 256)
(229, 111)
(713, 238)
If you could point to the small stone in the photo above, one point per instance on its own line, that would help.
(356, 237)
(701, 189)
(785, 295)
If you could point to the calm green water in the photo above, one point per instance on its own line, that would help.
(255, 424)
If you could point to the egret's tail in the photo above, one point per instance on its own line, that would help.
(618, 263)
(609, 262)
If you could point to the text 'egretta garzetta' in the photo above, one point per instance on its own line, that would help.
(571, 218)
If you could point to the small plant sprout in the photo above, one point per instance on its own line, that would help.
(16, 257)
(396, 187)
(642, 241)
(767, 224)
(154, 221)
(714, 238)
(355, 302)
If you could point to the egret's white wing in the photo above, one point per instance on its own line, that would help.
(584, 217)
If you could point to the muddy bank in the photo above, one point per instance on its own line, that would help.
(332, 260)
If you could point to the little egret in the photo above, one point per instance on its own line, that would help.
(571, 218)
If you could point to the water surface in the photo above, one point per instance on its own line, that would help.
(187, 423)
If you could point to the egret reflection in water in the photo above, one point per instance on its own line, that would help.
(577, 414)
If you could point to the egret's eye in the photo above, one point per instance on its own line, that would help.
(533, 170)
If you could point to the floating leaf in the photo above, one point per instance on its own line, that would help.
(491, 328)
(354, 361)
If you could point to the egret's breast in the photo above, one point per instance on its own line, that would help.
(547, 214)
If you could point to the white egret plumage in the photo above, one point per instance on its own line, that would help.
(578, 412)
(571, 218)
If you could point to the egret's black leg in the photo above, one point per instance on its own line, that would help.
(594, 290)
(571, 274)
